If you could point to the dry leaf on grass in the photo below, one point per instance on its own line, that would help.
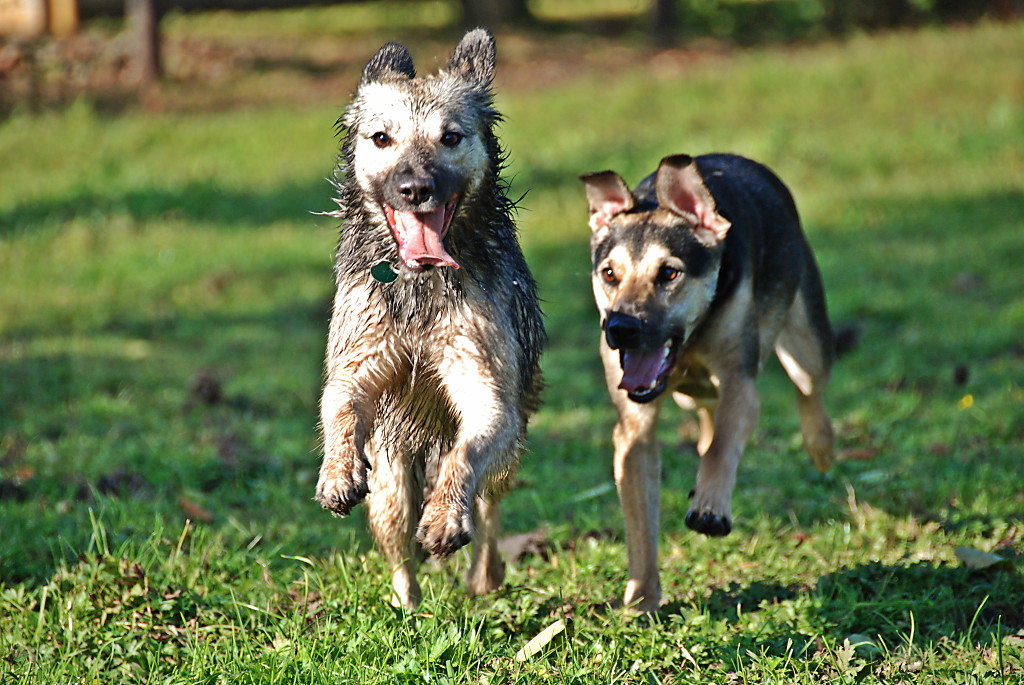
(194, 511)
(976, 559)
(544, 638)
(516, 547)
(857, 454)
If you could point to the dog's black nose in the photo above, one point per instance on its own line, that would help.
(622, 330)
(416, 189)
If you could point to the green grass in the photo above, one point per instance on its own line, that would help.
(147, 255)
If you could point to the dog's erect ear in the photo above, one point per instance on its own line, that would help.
(607, 195)
(391, 63)
(474, 57)
(681, 189)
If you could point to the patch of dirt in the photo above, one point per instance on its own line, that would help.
(204, 73)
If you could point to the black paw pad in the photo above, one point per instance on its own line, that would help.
(709, 524)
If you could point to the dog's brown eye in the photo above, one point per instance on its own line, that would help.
(667, 274)
(451, 139)
(609, 275)
(381, 139)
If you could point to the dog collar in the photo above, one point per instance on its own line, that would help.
(384, 272)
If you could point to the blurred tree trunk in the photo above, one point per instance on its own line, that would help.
(663, 18)
(144, 23)
(492, 13)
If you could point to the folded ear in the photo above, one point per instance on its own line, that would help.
(607, 195)
(681, 189)
(391, 63)
(474, 57)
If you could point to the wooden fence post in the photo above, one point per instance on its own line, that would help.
(144, 22)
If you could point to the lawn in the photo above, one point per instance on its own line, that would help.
(163, 308)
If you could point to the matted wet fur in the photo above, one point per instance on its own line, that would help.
(700, 274)
(432, 359)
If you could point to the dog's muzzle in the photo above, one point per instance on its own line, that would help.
(646, 363)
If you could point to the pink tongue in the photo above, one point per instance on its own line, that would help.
(640, 368)
(419, 237)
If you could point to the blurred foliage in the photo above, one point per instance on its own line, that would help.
(759, 21)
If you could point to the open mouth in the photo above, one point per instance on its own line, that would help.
(420, 235)
(645, 372)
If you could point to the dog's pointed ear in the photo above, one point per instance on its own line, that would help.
(607, 195)
(474, 57)
(681, 189)
(391, 63)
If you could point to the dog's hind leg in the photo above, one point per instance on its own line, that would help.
(487, 443)
(487, 570)
(391, 506)
(805, 349)
(706, 422)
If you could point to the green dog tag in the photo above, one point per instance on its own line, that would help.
(383, 272)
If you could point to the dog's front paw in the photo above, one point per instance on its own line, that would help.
(708, 518)
(342, 484)
(709, 523)
(443, 530)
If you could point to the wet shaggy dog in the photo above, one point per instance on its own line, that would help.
(700, 274)
(432, 358)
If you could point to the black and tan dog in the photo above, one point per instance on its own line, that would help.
(700, 274)
(433, 357)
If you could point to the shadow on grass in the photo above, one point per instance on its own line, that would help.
(889, 603)
(203, 202)
(126, 435)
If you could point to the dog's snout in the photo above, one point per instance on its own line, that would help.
(623, 330)
(416, 190)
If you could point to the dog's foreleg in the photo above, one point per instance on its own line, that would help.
(637, 469)
(358, 361)
(488, 441)
(734, 421)
(638, 481)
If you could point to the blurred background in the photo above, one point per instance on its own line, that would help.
(55, 51)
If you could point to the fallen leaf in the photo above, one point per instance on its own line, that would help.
(977, 559)
(857, 454)
(542, 639)
(194, 511)
(689, 657)
(517, 547)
